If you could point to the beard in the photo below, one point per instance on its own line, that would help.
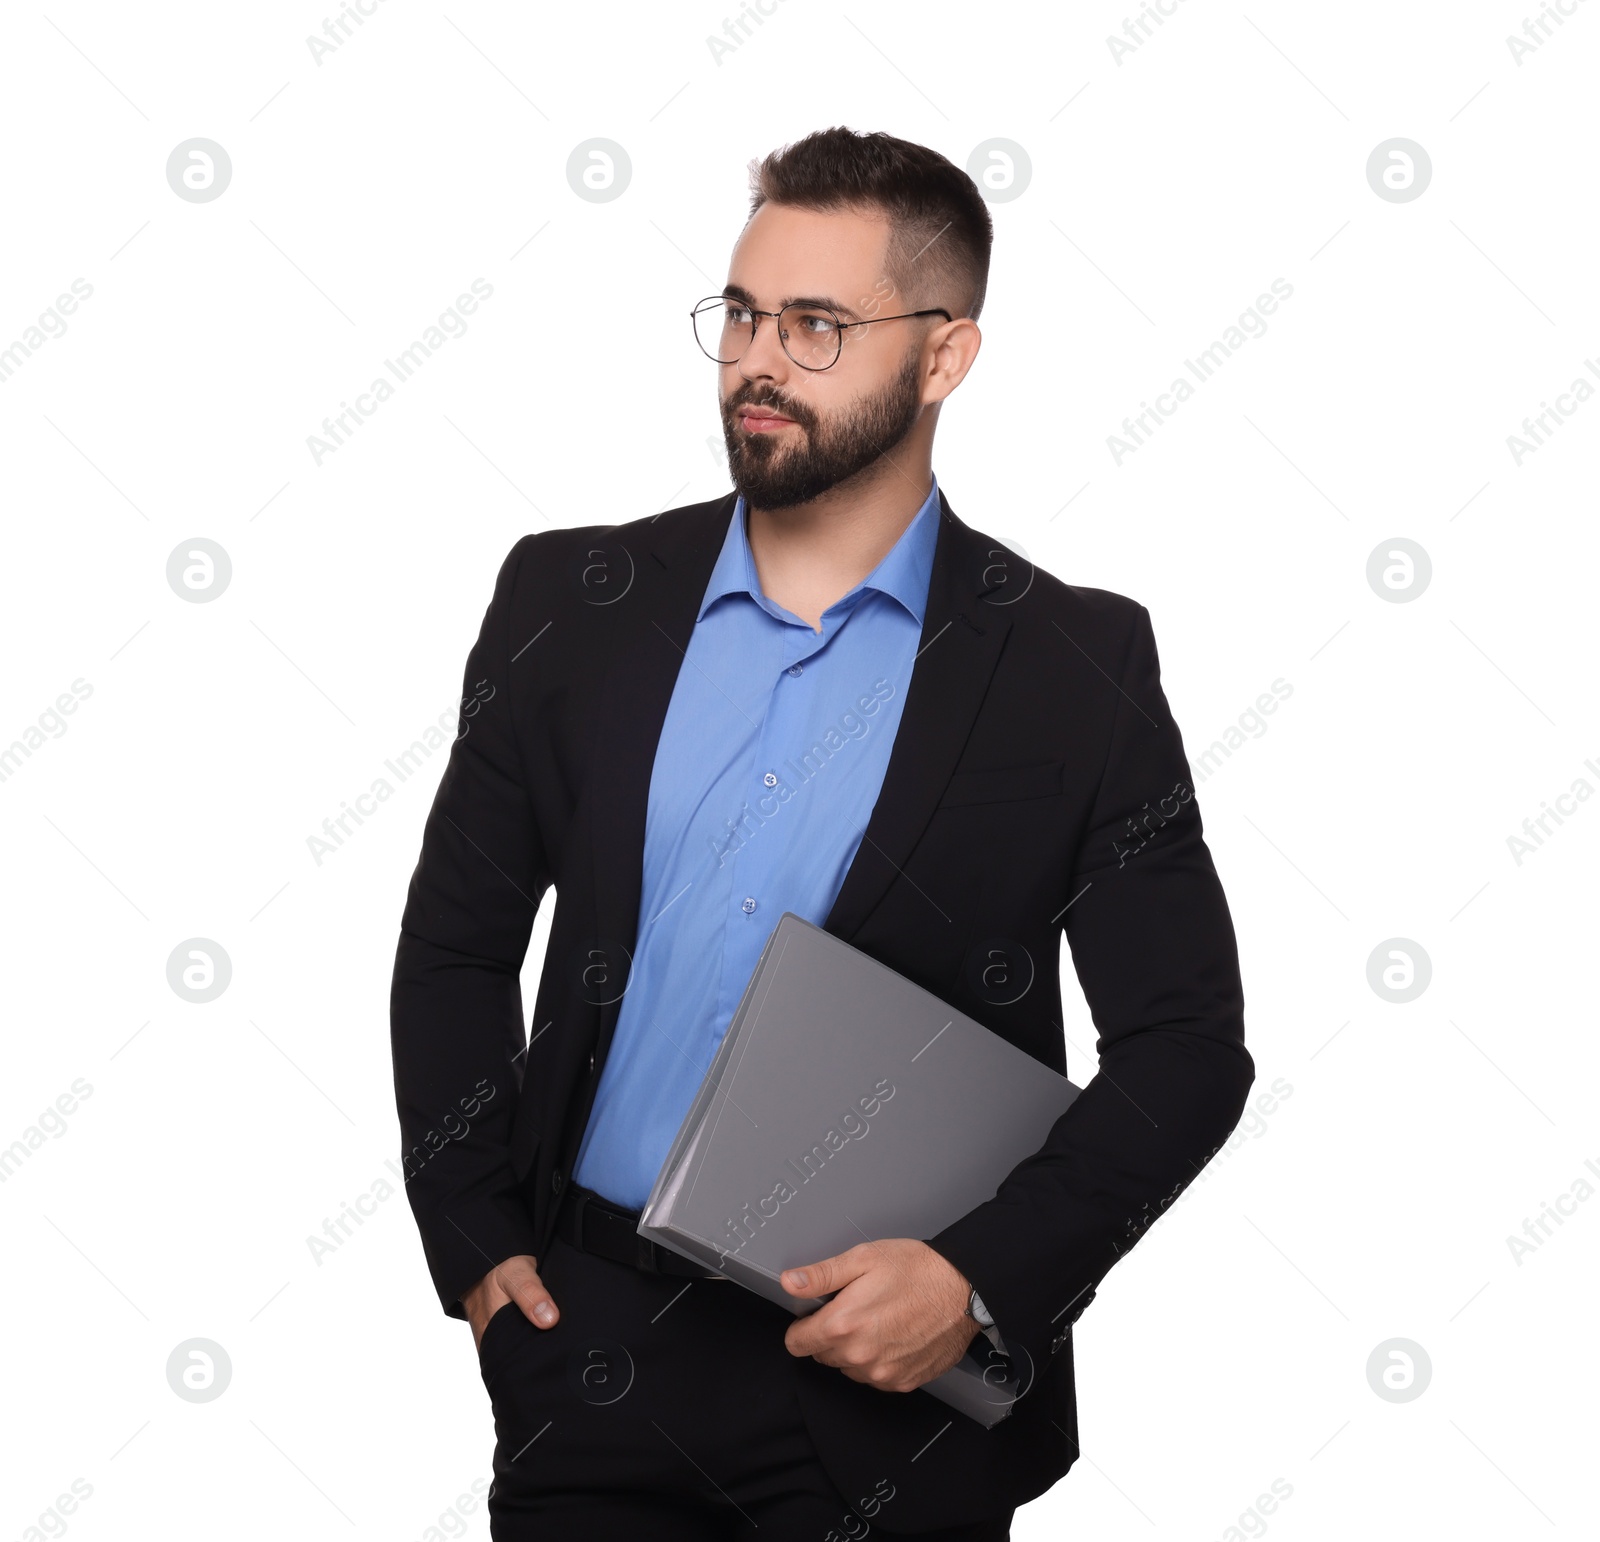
(774, 474)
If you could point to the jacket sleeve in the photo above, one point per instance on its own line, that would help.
(1154, 950)
(457, 1031)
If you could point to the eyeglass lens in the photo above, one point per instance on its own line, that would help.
(811, 337)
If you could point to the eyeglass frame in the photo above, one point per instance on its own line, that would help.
(755, 323)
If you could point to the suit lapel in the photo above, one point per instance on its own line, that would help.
(654, 623)
(956, 655)
(959, 646)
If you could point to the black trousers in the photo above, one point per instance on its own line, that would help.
(661, 1407)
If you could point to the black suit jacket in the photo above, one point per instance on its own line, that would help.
(1037, 783)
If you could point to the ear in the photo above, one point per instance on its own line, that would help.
(952, 347)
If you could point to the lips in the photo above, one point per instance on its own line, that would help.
(760, 420)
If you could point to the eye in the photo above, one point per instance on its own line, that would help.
(738, 315)
(812, 324)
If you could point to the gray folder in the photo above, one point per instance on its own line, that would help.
(847, 1104)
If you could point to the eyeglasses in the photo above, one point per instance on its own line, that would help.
(812, 335)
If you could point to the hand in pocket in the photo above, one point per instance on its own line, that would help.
(513, 1281)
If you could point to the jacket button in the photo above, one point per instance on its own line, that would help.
(555, 1182)
(591, 1062)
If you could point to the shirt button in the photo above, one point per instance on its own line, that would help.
(770, 779)
(748, 905)
(795, 669)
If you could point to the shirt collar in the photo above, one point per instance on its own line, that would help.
(903, 573)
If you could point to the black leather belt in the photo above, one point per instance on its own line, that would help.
(594, 1225)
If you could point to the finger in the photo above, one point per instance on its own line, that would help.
(825, 1275)
(817, 1334)
(801, 1340)
(520, 1281)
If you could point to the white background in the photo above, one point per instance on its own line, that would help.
(1167, 191)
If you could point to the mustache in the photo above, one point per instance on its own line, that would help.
(745, 397)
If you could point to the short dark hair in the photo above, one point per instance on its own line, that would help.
(940, 233)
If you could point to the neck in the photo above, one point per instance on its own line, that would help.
(810, 554)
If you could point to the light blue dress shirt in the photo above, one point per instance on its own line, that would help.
(770, 759)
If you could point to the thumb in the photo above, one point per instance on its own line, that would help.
(519, 1278)
(820, 1278)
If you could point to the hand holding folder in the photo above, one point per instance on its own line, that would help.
(847, 1104)
(895, 1288)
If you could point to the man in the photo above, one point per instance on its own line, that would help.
(830, 695)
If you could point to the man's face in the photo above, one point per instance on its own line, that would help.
(794, 433)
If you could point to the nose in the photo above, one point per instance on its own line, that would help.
(765, 357)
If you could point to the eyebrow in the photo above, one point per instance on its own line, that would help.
(743, 295)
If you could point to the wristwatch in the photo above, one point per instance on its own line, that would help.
(977, 1311)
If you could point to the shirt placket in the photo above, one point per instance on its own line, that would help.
(751, 914)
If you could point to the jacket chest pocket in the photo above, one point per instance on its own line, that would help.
(1004, 784)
